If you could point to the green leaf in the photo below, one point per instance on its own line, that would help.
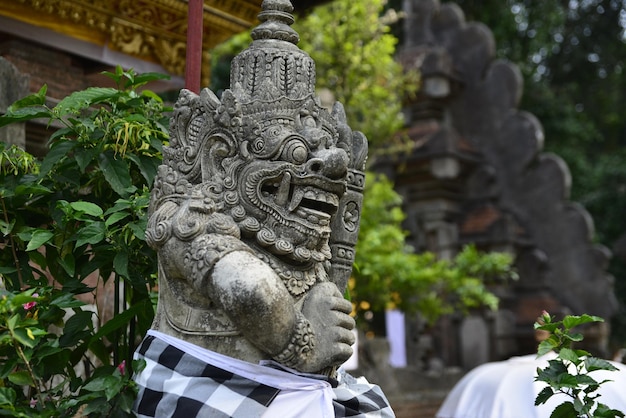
(120, 204)
(544, 347)
(5, 227)
(88, 208)
(10, 363)
(83, 99)
(58, 151)
(551, 373)
(579, 406)
(116, 217)
(12, 321)
(594, 363)
(120, 263)
(582, 353)
(61, 133)
(574, 336)
(23, 115)
(68, 263)
(38, 238)
(152, 95)
(571, 321)
(91, 234)
(147, 165)
(31, 189)
(603, 411)
(66, 301)
(35, 99)
(38, 259)
(125, 401)
(21, 378)
(50, 350)
(116, 76)
(156, 143)
(85, 157)
(100, 350)
(111, 385)
(22, 336)
(547, 327)
(565, 410)
(116, 173)
(545, 394)
(7, 396)
(121, 320)
(97, 405)
(25, 233)
(7, 269)
(72, 331)
(567, 380)
(141, 79)
(569, 355)
(139, 229)
(30, 107)
(585, 379)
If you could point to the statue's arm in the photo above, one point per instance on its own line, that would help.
(254, 297)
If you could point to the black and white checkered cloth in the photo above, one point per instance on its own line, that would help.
(184, 380)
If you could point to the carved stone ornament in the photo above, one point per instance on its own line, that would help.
(255, 211)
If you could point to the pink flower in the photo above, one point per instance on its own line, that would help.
(30, 305)
(122, 367)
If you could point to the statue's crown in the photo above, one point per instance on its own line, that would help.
(273, 67)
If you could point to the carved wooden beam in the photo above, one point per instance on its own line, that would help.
(152, 30)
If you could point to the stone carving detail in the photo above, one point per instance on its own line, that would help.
(255, 210)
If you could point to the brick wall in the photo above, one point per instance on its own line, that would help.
(58, 70)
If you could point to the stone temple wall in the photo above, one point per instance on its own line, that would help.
(476, 174)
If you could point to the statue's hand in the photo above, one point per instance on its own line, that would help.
(329, 316)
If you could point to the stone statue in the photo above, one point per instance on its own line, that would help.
(255, 213)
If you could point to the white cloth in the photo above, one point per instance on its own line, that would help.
(507, 389)
(185, 380)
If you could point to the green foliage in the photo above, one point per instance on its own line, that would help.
(388, 274)
(570, 372)
(38, 368)
(354, 49)
(76, 221)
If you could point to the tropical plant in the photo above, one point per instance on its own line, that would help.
(71, 225)
(570, 373)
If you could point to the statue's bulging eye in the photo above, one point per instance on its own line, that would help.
(295, 151)
(309, 122)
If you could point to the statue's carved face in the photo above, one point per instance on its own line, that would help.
(292, 181)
